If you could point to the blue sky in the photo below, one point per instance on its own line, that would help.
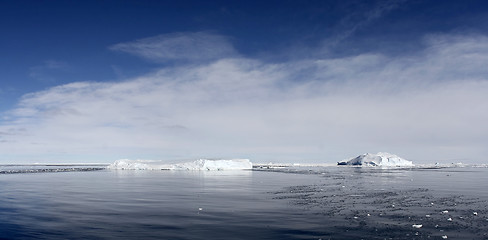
(283, 81)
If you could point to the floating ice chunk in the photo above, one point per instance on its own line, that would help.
(445, 211)
(475, 213)
(379, 159)
(449, 219)
(417, 225)
(200, 164)
(444, 236)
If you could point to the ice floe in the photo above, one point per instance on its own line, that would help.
(379, 159)
(200, 164)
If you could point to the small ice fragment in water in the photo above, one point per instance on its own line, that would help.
(445, 211)
(417, 225)
(475, 213)
(368, 214)
(200, 209)
(444, 236)
(427, 215)
(355, 217)
(449, 219)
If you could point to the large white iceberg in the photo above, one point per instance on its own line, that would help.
(379, 159)
(200, 164)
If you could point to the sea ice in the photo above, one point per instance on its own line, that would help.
(379, 159)
(200, 164)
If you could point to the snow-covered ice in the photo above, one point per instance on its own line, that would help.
(379, 159)
(200, 164)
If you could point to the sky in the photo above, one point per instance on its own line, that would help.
(272, 81)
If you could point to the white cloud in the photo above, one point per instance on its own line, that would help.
(427, 107)
(193, 46)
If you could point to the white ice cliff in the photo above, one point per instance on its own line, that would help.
(200, 164)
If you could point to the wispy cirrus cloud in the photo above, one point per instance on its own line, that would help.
(429, 106)
(44, 71)
(186, 46)
(358, 19)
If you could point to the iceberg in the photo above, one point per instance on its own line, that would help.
(205, 164)
(200, 164)
(382, 159)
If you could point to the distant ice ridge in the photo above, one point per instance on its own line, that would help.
(382, 159)
(200, 164)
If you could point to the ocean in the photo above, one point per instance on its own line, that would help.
(91, 202)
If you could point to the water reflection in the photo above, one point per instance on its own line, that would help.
(228, 180)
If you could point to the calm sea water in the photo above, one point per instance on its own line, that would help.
(299, 203)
